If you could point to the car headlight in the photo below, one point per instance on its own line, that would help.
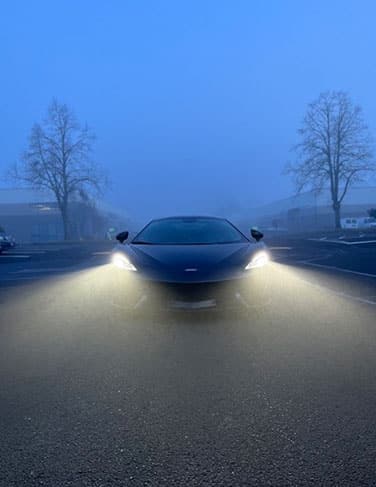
(122, 262)
(258, 260)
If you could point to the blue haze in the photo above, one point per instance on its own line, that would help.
(195, 103)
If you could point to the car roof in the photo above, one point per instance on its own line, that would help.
(188, 217)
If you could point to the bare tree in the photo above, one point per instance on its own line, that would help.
(58, 159)
(335, 149)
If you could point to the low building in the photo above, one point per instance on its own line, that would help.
(312, 211)
(33, 216)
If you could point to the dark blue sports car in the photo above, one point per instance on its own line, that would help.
(192, 263)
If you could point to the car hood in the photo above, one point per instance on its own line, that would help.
(190, 263)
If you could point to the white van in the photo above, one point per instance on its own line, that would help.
(349, 223)
(358, 222)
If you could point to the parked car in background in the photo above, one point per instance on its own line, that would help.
(370, 222)
(6, 241)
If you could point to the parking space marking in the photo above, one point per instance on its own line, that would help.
(280, 248)
(339, 269)
(359, 242)
(15, 256)
(19, 278)
(30, 251)
(40, 270)
(340, 293)
(342, 242)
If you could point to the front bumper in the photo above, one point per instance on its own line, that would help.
(137, 293)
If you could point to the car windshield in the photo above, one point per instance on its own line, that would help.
(189, 231)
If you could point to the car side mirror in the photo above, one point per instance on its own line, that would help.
(122, 236)
(256, 234)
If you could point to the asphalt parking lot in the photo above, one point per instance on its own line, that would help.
(91, 395)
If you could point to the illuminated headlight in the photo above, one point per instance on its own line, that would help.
(121, 261)
(259, 260)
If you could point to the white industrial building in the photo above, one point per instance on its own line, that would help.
(313, 211)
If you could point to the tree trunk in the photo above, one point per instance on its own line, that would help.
(64, 216)
(337, 215)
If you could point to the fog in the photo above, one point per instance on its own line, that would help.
(187, 350)
(195, 104)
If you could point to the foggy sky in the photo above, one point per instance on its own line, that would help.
(195, 103)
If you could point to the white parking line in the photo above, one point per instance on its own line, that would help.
(41, 270)
(359, 242)
(339, 269)
(15, 256)
(31, 251)
(280, 248)
(342, 242)
(340, 293)
(19, 278)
